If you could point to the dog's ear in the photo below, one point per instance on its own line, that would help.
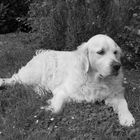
(85, 60)
(83, 49)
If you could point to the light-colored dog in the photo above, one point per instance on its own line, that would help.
(92, 72)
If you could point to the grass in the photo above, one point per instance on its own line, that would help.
(22, 119)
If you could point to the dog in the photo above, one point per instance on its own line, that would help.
(91, 72)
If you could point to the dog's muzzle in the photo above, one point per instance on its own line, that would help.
(115, 68)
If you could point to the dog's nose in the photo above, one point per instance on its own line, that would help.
(116, 66)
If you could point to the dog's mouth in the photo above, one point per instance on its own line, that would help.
(112, 74)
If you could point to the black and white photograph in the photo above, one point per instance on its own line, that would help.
(69, 70)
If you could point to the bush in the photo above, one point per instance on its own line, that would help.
(129, 38)
(13, 15)
(65, 24)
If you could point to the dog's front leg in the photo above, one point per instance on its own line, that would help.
(120, 106)
(57, 101)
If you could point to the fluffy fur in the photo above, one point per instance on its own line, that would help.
(92, 72)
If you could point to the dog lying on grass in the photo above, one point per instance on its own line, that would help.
(92, 72)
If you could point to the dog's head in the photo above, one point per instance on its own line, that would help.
(104, 55)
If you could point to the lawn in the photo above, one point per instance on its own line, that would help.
(22, 119)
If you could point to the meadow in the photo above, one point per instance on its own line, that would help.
(22, 119)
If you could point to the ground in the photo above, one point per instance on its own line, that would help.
(22, 119)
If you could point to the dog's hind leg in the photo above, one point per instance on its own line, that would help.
(30, 74)
(7, 81)
(13, 80)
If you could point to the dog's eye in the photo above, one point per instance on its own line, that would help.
(101, 52)
(115, 52)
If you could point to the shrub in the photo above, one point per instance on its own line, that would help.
(129, 38)
(65, 24)
(12, 13)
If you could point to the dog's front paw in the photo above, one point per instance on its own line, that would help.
(48, 108)
(126, 119)
(52, 106)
